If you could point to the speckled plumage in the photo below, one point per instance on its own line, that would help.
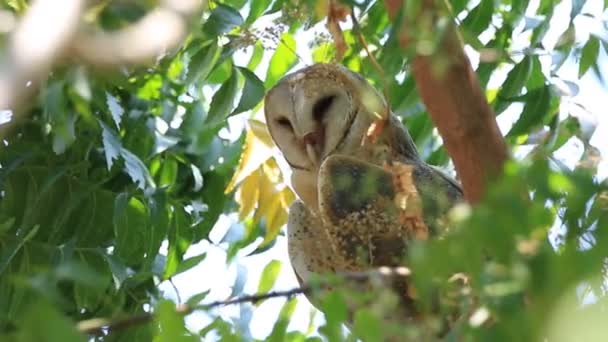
(348, 216)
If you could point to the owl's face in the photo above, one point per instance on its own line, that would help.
(317, 111)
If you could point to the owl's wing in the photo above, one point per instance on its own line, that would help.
(371, 212)
(406, 149)
(402, 140)
(452, 186)
(356, 204)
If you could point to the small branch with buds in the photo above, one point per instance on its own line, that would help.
(102, 326)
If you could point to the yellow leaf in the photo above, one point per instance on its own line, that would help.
(267, 200)
(273, 226)
(271, 201)
(255, 153)
(260, 130)
(280, 217)
(272, 171)
(248, 193)
(287, 197)
(261, 182)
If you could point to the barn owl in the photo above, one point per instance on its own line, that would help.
(351, 214)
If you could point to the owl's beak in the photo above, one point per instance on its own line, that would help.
(312, 154)
(314, 145)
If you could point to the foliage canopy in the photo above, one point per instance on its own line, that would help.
(116, 172)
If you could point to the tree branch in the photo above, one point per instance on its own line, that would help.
(101, 326)
(40, 37)
(168, 24)
(51, 30)
(453, 97)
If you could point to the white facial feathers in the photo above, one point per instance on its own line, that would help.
(311, 112)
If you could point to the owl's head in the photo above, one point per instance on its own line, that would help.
(320, 110)
(317, 111)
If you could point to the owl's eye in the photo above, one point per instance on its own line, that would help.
(285, 123)
(320, 109)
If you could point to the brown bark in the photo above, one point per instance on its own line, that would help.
(456, 104)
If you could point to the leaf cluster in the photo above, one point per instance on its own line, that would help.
(115, 174)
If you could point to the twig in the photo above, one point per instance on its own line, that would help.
(177, 295)
(363, 42)
(102, 326)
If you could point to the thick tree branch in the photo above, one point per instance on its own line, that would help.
(453, 97)
(102, 326)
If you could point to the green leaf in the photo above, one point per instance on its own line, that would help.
(197, 298)
(151, 90)
(269, 276)
(111, 145)
(256, 7)
(10, 250)
(186, 265)
(136, 169)
(252, 94)
(120, 272)
(172, 326)
(535, 109)
(280, 327)
(589, 55)
(335, 310)
(64, 132)
(537, 78)
(203, 62)
(18, 5)
(458, 5)
(115, 109)
(236, 3)
(323, 53)
(479, 18)
(519, 8)
(283, 59)
(577, 6)
(43, 322)
(223, 19)
(516, 79)
(79, 273)
(180, 237)
(367, 326)
(566, 39)
(221, 72)
(168, 173)
(130, 223)
(223, 100)
(546, 9)
(7, 225)
(61, 119)
(256, 56)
